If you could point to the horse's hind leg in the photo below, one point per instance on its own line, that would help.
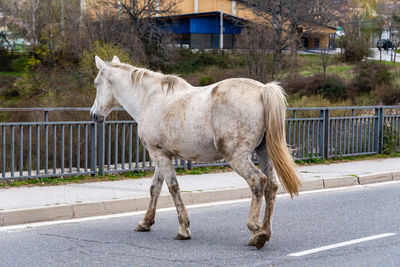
(256, 180)
(271, 187)
(145, 224)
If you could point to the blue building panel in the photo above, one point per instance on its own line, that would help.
(210, 25)
(182, 26)
(201, 30)
(204, 25)
(232, 28)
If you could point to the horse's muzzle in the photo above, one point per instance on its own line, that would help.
(96, 117)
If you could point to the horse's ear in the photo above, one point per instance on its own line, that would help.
(115, 60)
(101, 65)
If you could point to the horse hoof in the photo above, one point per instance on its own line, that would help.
(251, 242)
(260, 239)
(183, 234)
(142, 228)
(182, 237)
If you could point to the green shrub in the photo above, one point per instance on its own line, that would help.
(41, 56)
(390, 137)
(387, 94)
(187, 61)
(305, 86)
(7, 88)
(206, 80)
(19, 64)
(106, 52)
(333, 88)
(5, 60)
(355, 50)
(371, 74)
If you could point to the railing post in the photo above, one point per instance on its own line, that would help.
(189, 165)
(101, 148)
(46, 115)
(93, 148)
(183, 164)
(324, 134)
(382, 129)
(379, 113)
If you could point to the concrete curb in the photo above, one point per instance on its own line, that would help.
(79, 210)
(374, 178)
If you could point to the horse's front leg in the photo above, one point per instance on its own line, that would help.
(145, 224)
(183, 217)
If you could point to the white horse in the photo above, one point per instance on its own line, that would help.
(228, 119)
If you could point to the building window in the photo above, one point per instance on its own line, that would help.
(316, 42)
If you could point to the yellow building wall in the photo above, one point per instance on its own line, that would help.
(188, 6)
(215, 5)
(185, 7)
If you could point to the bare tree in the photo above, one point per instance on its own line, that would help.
(43, 20)
(150, 31)
(108, 26)
(274, 14)
(4, 41)
(389, 12)
(326, 60)
(134, 25)
(289, 20)
(255, 38)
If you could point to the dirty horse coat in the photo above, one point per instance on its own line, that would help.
(228, 119)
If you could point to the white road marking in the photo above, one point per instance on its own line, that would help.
(382, 183)
(212, 204)
(346, 188)
(342, 244)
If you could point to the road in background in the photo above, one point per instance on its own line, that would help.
(386, 55)
(220, 235)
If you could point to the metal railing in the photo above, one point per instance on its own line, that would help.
(43, 149)
(68, 148)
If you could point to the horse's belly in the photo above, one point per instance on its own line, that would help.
(194, 147)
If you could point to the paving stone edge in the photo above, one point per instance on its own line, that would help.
(79, 210)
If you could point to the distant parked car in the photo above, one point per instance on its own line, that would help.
(384, 44)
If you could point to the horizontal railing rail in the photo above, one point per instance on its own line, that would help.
(44, 148)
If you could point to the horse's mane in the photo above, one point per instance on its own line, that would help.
(168, 82)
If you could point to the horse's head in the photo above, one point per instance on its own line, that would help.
(105, 100)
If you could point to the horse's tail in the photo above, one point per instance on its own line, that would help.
(275, 112)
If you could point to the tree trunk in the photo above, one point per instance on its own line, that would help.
(277, 61)
(293, 53)
(62, 20)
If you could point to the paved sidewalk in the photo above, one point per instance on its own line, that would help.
(28, 197)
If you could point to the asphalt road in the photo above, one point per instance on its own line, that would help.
(220, 235)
